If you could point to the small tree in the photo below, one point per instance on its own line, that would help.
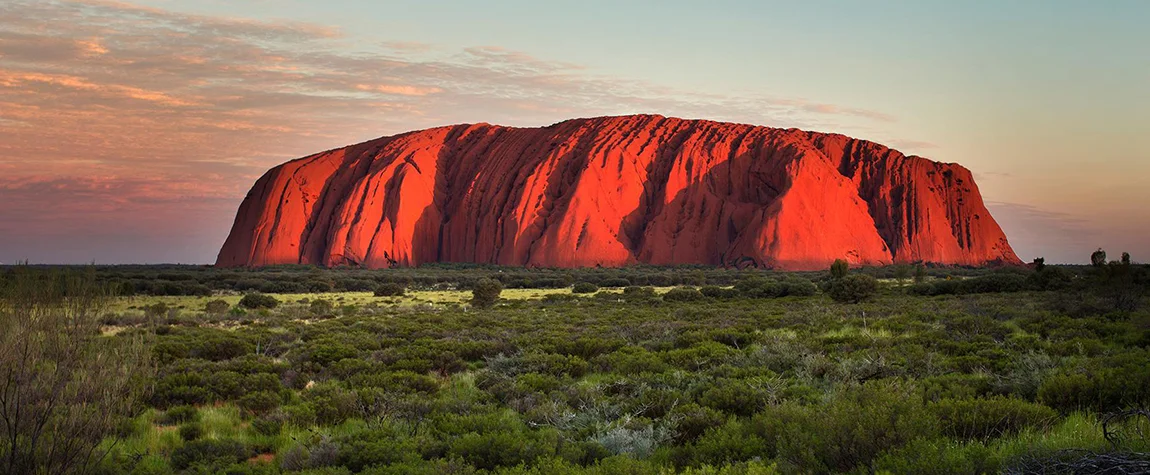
(63, 386)
(1098, 258)
(1119, 281)
(901, 273)
(919, 273)
(1039, 264)
(840, 268)
(485, 292)
(853, 288)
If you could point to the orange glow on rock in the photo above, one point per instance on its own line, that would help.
(615, 191)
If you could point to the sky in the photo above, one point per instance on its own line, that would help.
(131, 131)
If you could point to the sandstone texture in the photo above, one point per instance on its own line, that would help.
(615, 191)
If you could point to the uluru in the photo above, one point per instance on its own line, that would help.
(615, 191)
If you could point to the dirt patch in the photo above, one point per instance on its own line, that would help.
(262, 459)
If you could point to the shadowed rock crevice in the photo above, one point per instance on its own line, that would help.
(615, 191)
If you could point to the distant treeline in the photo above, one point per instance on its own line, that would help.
(175, 280)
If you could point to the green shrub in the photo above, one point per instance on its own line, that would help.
(998, 282)
(535, 383)
(485, 292)
(716, 292)
(169, 351)
(390, 289)
(221, 347)
(269, 424)
(693, 421)
(717, 386)
(258, 300)
(735, 441)
(208, 454)
(326, 352)
(295, 458)
(632, 360)
(920, 289)
(982, 419)
(558, 298)
(361, 450)
(758, 288)
(396, 382)
(193, 431)
(318, 286)
(226, 384)
(849, 431)
(1118, 383)
(181, 414)
(558, 365)
(614, 282)
(940, 456)
(302, 415)
(157, 310)
(259, 402)
(490, 450)
(331, 403)
(217, 307)
(324, 453)
(181, 388)
(945, 287)
(683, 294)
(638, 294)
(955, 386)
(853, 288)
(584, 288)
(1051, 278)
(799, 287)
(586, 348)
(839, 269)
(1068, 392)
(320, 307)
(732, 397)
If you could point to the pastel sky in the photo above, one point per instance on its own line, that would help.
(130, 131)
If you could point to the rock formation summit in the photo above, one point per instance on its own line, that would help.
(615, 191)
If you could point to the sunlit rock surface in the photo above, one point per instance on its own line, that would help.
(615, 191)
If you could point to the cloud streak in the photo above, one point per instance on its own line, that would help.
(132, 114)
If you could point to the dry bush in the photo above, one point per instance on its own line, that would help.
(63, 386)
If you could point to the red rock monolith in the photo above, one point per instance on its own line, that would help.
(615, 191)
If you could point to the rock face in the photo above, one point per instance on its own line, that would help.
(615, 191)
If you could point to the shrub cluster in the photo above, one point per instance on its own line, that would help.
(258, 300)
(712, 376)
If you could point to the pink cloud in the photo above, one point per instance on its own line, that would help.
(25, 81)
(131, 115)
(398, 90)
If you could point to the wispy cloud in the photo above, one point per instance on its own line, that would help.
(398, 90)
(117, 104)
(833, 109)
(911, 146)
